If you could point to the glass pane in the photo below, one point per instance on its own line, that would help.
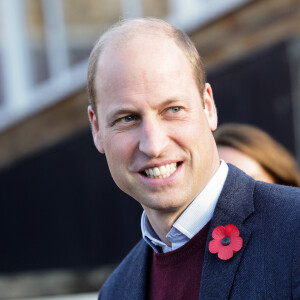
(1, 66)
(36, 41)
(84, 22)
(155, 8)
(1, 78)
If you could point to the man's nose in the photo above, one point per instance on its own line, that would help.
(153, 138)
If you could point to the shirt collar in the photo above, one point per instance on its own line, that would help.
(193, 219)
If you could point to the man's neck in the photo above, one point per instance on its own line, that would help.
(162, 222)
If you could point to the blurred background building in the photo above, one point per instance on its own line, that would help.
(57, 200)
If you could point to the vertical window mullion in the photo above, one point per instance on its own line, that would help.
(56, 44)
(16, 71)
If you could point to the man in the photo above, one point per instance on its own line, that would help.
(152, 114)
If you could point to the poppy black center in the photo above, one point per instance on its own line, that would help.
(225, 241)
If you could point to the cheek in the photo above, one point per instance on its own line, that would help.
(119, 155)
(118, 148)
(193, 133)
(199, 141)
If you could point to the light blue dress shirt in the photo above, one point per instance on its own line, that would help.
(193, 219)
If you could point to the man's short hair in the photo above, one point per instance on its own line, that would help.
(125, 30)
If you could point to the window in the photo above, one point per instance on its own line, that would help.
(45, 44)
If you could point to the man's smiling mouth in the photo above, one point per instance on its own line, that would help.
(163, 171)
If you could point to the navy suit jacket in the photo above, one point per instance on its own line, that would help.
(267, 266)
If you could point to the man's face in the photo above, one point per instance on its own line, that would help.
(152, 126)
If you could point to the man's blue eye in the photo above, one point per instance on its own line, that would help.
(175, 109)
(128, 118)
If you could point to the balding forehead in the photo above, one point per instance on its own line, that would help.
(139, 63)
(133, 53)
(126, 31)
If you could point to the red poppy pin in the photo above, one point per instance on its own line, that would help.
(226, 241)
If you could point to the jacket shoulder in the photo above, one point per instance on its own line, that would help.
(281, 217)
(278, 198)
(128, 276)
(280, 209)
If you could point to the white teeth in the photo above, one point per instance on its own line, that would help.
(156, 171)
(162, 171)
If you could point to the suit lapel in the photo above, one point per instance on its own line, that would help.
(234, 206)
(136, 285)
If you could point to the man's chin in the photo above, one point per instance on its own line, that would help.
(162, 205)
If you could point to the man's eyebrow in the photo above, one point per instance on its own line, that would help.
(177, 100)
(171, 101)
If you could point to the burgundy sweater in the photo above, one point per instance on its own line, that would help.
(177, 274)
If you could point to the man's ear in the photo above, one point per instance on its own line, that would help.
(97, 136)
(210, 108)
